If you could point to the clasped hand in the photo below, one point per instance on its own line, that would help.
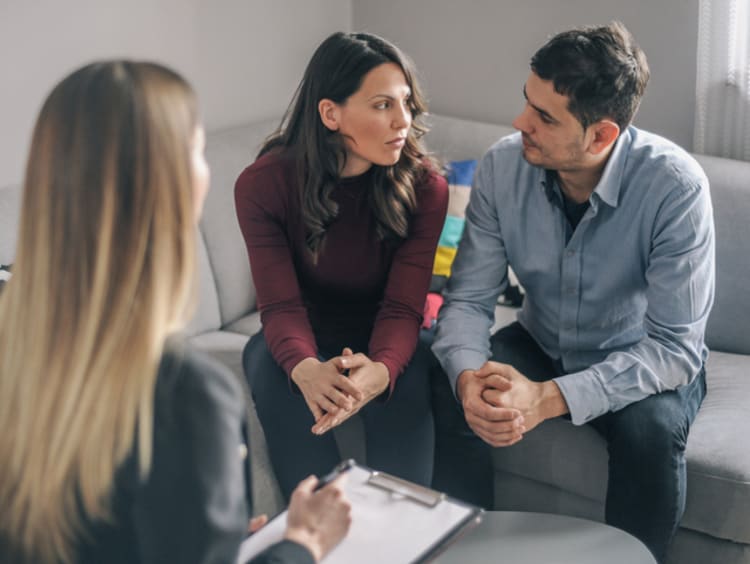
(333, 397)
(501, 404)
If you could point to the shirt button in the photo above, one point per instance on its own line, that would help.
(568, 327)
(570, 291)
(570, 253)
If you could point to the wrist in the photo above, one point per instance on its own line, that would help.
(306, 538)
(301, 367)
(384, 379)
(553, 402)
(461, 383)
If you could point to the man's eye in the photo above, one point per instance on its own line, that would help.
(545, 118)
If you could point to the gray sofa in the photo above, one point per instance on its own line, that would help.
(558, 468)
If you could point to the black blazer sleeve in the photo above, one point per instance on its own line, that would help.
(192, 508)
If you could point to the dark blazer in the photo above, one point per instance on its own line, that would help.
(193, 507)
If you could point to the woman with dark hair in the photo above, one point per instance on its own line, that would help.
(119, 442)
(341, 213)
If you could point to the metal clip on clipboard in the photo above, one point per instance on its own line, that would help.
(399, 487)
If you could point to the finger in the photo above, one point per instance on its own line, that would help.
(257, 522)
(323, 425)
(482, 409)
(496, 398)
(327, 405)
(491, 367)
(313, 407)
(343, 401)
(498, 382)
(353, 361)
(348, 386)
(328, 423)
(503, 442)
(307, 485)
(494, 427)
(495, 438)
(347, 352)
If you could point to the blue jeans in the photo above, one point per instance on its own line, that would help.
(646, 443)
(399, 431)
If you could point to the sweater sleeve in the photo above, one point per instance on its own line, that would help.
(261, 198)
(394, 336)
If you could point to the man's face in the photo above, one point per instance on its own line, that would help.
(552, 137)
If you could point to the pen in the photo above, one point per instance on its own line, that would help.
(333, 474)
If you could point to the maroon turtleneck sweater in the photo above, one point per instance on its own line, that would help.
(362, 289)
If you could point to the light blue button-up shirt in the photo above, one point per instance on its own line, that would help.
(621, 301)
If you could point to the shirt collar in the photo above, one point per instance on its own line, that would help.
(608, 187)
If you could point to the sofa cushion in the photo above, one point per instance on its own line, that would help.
(718, 458)
(574, 459)
(228, 152)
(247, 325)
(729, 323)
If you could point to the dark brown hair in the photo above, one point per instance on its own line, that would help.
(601, 69)
(336, 71)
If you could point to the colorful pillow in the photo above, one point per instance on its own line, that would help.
(460, 175)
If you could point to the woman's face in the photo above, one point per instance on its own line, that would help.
(375, 120)
(200, 171)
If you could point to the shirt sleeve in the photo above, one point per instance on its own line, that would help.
(396, 328)
(680, 291)
(478, 277)
(261, 199)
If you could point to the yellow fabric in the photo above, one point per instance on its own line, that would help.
(443, 260)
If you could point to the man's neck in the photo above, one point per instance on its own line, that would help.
(578, 185)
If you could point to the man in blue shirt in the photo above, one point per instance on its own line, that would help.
(609, 229)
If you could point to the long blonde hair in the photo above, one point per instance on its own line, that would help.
(103, 273)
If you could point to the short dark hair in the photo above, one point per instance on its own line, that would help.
(600, 69)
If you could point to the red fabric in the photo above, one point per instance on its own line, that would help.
(432, 306)
(360, 288)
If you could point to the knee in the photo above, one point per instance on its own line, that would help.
(262, 372)
(650, 432)
(414, 382)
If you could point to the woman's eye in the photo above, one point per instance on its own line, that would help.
(382, 105)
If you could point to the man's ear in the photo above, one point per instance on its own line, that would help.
(604, 134)
(329, 114)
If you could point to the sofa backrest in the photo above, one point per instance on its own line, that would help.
(10, 205)
(729, 324)
(455, 139)
(228, 152)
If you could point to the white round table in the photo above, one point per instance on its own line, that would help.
(543, 538)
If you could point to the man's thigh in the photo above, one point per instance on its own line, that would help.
(513, 345)
(667, 415)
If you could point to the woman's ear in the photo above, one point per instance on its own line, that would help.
(329, 114)
(606, 133)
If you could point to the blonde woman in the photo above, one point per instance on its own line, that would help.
(119, 443)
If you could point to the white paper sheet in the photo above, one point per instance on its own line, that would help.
(385, 527)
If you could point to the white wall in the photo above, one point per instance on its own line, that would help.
(243, 57)
(473, 55)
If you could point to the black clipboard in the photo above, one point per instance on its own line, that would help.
(393, 520)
